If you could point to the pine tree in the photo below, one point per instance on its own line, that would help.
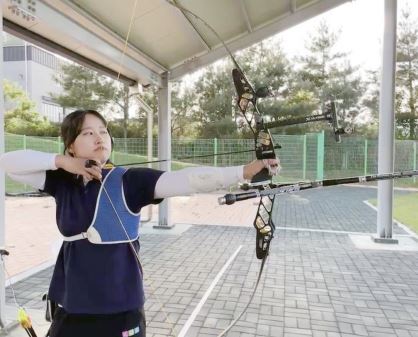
(407, 75)
(83, 88)
(329, 75)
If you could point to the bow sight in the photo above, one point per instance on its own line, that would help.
(329, 115)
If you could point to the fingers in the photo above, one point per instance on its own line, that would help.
(272, 162)
(93, 173)
(91, 163)
(273, 166)
(92, 170)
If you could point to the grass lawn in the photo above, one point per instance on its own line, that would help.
(405, 209)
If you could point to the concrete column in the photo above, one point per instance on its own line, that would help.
(164, 145)
(2, 182)
(387, 124)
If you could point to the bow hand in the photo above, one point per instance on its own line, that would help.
(264, 151)
(270, 167)
(80, 166)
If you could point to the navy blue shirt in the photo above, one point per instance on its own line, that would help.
(93, 278)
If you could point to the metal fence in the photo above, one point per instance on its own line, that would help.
(303, 157)
(358, 156)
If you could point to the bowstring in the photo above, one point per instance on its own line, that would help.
(125, 47)
(229, 327)
(172, 329)
(118, 78)
(135, 252)
(185, 10)
(123, 53)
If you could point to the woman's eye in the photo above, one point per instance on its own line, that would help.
(104, 132)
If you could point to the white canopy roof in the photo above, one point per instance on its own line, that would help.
(161, 38)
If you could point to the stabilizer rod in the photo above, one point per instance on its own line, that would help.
(231, 198)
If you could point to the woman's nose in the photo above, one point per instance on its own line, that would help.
(99, 139)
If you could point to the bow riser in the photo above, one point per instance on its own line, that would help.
(264, 149)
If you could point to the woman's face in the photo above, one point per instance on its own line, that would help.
(93, 141)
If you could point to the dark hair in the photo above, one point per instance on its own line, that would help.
(72, 124)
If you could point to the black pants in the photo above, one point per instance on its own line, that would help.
(125, 324)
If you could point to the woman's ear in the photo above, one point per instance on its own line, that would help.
(69, 151)
(112, 142)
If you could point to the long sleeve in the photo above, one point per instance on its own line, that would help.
(27, 161)
(197, 180)
(28, 166)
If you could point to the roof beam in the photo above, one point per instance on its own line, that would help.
(292, 6)
(256, 36)
(245, 15)
(55, 20)
(194, 29)
(89, 22)
(25, 34)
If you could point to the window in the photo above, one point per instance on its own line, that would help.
(52, 112)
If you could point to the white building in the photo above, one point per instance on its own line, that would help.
(33, 68)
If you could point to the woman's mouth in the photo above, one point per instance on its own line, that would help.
(100, 148)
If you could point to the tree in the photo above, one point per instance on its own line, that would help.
(83, 88)
(370, 106)
(407, 75)
(120, 101)
(266, 65)
(183, 104)
(218, 115)
(21, 116)
(329, 74)
(215, 91)
(370, 99)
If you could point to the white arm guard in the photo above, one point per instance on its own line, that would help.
(35, 179)
(28, 166)
(197, 180)
(27, 161)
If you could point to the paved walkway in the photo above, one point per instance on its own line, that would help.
(315, 283)
(33, 240)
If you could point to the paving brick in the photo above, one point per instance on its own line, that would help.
(314, 283)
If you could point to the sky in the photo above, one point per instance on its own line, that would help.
(361, 25)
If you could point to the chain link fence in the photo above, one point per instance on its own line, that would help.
(303, 157)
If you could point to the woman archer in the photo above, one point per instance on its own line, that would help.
(97, 281)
